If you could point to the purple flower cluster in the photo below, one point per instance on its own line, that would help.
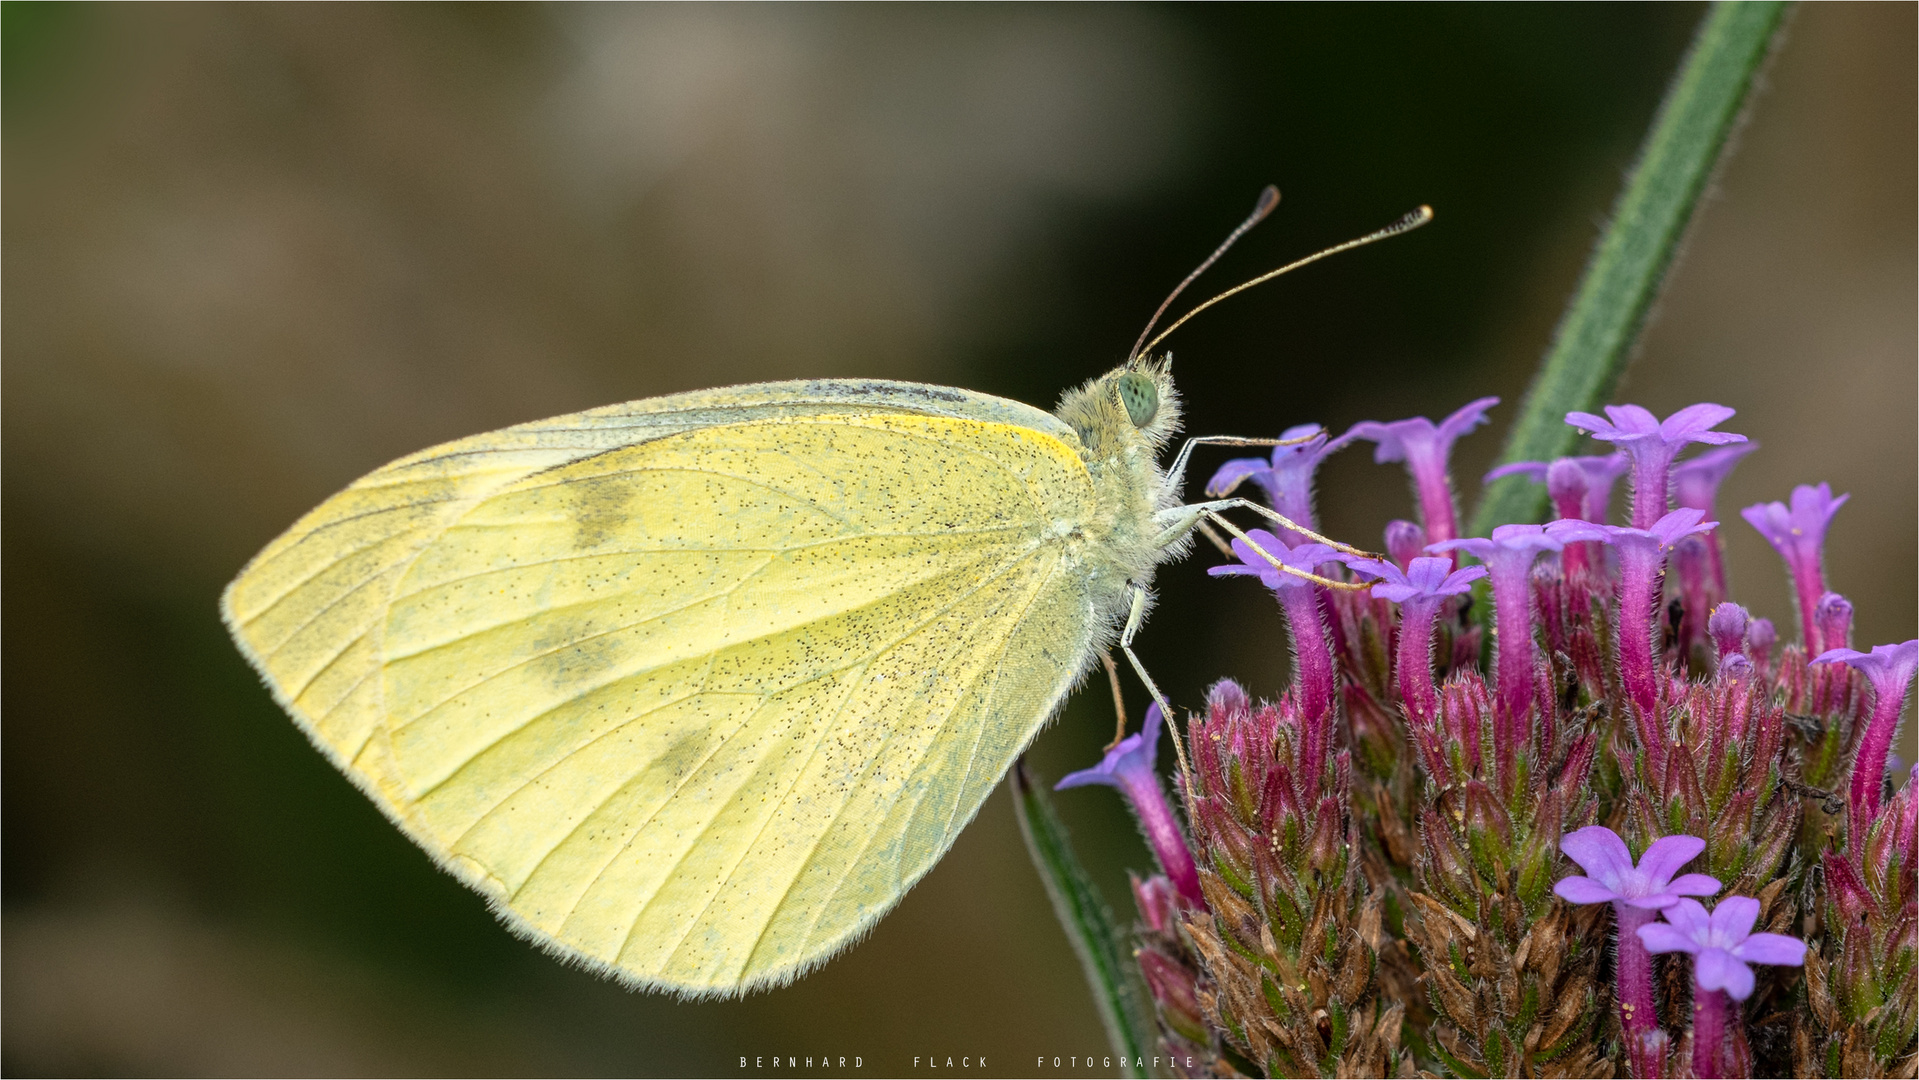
(1649, 678)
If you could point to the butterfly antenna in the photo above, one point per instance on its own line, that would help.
(1408, 223)
(1268, 199)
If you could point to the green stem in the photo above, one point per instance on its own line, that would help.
(1688, 141)
(1076, 900)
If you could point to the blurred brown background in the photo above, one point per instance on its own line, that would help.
(252, 252)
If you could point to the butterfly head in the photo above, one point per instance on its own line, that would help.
(1132, 403)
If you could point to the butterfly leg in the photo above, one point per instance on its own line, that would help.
(1134, 620)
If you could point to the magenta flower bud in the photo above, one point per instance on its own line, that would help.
(1760, 638)
(1890, 669)
(1642, 558)
(1736, 668)
(1158, 902)
(1834, 617)
(1419, 591)
(1653, 444)
(1798, 534)
(1567, 486)
(1312, 655)
(1405, 541)
(1175, 992)
(1287, 478)
(1128, 766)
(1728, 628)
(1637, 893)
(1426, 448)
(1723, 948)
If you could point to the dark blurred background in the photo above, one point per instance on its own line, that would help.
(252, 252)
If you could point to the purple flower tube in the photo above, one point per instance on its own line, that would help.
(1312, 656)
(1890, 669)
(1642, 557)
(1419, 591)
(1798, 534)
(1128, 766)
(1509, 555)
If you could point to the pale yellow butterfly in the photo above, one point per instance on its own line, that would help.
(693, 689)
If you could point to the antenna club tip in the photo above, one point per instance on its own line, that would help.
(1424, 213)
(1268, 199)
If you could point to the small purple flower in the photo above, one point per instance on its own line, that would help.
(1696, 480)
(1653, 444)
(1298, 596)
(1305, 558)
(1799, 535)
(1723, 947)
(1426, 578)
(1419, 590)
(1286, 478)
(1581, 487)
(1611, 876)
(1128, 766)
(1890, 669)
(1635, 892)
(1426, 448)
(1722, 944)
(1642, 555)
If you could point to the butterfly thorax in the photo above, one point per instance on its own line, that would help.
(1122, 544)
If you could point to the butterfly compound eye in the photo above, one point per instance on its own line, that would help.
(1140, 396)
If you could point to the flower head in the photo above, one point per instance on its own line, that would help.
(1302, 558)
(1286, 478)
(1420, 589)
(1426, 448)
(1515, 543)
(1426, 578)
(1722, 944)
(1653, 444)
(1612, 877)
(1799, 531)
